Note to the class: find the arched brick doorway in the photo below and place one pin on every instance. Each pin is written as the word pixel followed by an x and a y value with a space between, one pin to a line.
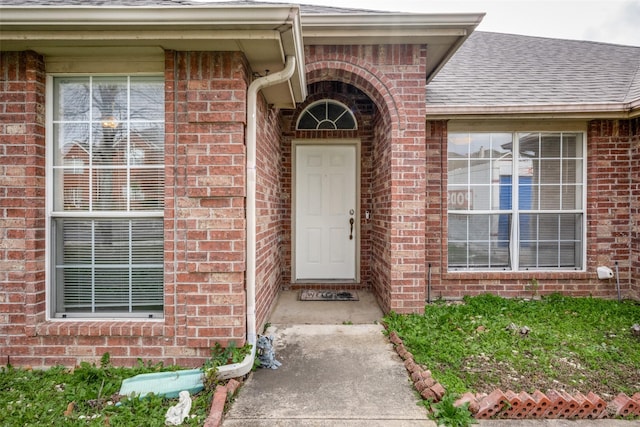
pixel 389 106
pixel 374 124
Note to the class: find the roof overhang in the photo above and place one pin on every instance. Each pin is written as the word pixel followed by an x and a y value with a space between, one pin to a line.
pixel 442 33
pixel 266 34
pixel 543 111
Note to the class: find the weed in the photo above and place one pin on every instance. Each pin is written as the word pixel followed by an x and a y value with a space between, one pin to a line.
pixel 533 287
pixel 224 355
pixel 447 414
pixel 221 356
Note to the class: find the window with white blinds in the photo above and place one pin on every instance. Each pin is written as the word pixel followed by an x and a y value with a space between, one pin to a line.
pixel 106 170
pixel 515 201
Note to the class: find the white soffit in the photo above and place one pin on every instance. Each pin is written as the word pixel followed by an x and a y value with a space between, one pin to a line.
pixel 265 34
pixel 442 33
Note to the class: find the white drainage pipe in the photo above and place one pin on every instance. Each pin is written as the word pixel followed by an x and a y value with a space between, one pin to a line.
pixel 239 369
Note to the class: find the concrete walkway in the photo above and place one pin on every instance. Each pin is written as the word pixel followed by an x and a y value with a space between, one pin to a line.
pixel 330 375
pixel 338 369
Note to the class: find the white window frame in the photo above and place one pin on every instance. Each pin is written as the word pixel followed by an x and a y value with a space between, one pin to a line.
pixel 514 249
pixel 326 119
pixel 52 214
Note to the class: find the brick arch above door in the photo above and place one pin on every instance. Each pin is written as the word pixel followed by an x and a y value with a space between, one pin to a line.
pixel 373 82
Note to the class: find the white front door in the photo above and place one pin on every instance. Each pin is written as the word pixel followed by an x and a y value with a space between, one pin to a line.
pixel 325 212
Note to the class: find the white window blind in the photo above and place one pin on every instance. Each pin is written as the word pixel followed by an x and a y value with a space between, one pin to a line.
pixel 516 201
pixel 107 174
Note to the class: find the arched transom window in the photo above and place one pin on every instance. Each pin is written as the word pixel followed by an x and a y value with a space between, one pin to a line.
pixel 327 115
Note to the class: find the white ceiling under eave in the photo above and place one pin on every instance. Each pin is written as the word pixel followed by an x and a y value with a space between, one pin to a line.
pixel 265 34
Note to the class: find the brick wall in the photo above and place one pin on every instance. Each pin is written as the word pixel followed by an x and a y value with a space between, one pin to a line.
pixel 205 97
pixel 609 199
pixel 634 193
pixel 381 220
pixel 205 211
pixel 436 213
pixel 268 212
pixel 609 236
pixel 22 203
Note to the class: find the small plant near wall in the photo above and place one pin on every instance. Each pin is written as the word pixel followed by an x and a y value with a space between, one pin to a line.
pixel 533 287
pixel 221 356
pixel 448 414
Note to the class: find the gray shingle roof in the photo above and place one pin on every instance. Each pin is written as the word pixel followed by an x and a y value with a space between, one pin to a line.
pixel 305 9
pixel 493 69
pixel 89 3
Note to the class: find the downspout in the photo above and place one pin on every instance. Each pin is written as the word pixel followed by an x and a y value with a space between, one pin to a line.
pixel 239 369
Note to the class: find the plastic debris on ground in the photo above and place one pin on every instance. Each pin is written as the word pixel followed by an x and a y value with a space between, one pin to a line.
pixel 167 384
pixel 266 352
pixel 178 412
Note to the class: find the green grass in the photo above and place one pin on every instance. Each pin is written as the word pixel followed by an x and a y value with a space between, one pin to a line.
pixel 576 344
pixel 40 397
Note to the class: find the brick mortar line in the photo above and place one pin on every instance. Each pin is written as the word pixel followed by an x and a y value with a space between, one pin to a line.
pixel 512 405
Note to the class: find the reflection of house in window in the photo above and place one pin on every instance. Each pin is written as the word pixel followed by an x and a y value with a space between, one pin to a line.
pixel 139 173
pixel 74 166
pixel 76 176
pixel 136 156
pixel 135 169
pixel 133 193
pixel 74 197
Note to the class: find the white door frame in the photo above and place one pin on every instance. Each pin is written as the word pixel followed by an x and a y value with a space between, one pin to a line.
pixel 324 142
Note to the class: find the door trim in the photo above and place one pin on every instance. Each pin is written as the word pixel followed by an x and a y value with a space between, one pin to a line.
pixel 355 142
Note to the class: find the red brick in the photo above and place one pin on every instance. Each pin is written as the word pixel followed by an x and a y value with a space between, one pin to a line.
pixel 585 407
pixel 394 338
pixel 558 407
pixel 519 405
pixel 217 407
pixel 420 385
pixel 411 365
pixel 491 405
pixel 438 390
pixel 428 394
pixel 622 406
pixel 232 386
pixel 599 405
pixel 636 399
pixel 541 405
pixel 571 407
pixel 469 398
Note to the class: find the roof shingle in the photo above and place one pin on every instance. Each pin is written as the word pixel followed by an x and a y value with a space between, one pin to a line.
pixel 493 69
pixel 305 9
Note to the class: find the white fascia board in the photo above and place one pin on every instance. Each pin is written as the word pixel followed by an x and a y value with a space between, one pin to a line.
pixel 217 16
pixel 384 19
pixel 594 110
pixel 378 28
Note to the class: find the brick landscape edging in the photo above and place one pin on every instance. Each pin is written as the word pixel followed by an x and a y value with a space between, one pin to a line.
pixel 222 394
pixel 512 405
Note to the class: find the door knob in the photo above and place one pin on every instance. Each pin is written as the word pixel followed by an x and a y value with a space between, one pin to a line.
pixel 351 221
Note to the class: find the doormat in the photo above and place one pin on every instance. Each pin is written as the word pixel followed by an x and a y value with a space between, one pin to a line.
pixel 324 295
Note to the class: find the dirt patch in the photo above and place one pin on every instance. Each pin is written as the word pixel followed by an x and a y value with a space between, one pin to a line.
pixel 563 374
